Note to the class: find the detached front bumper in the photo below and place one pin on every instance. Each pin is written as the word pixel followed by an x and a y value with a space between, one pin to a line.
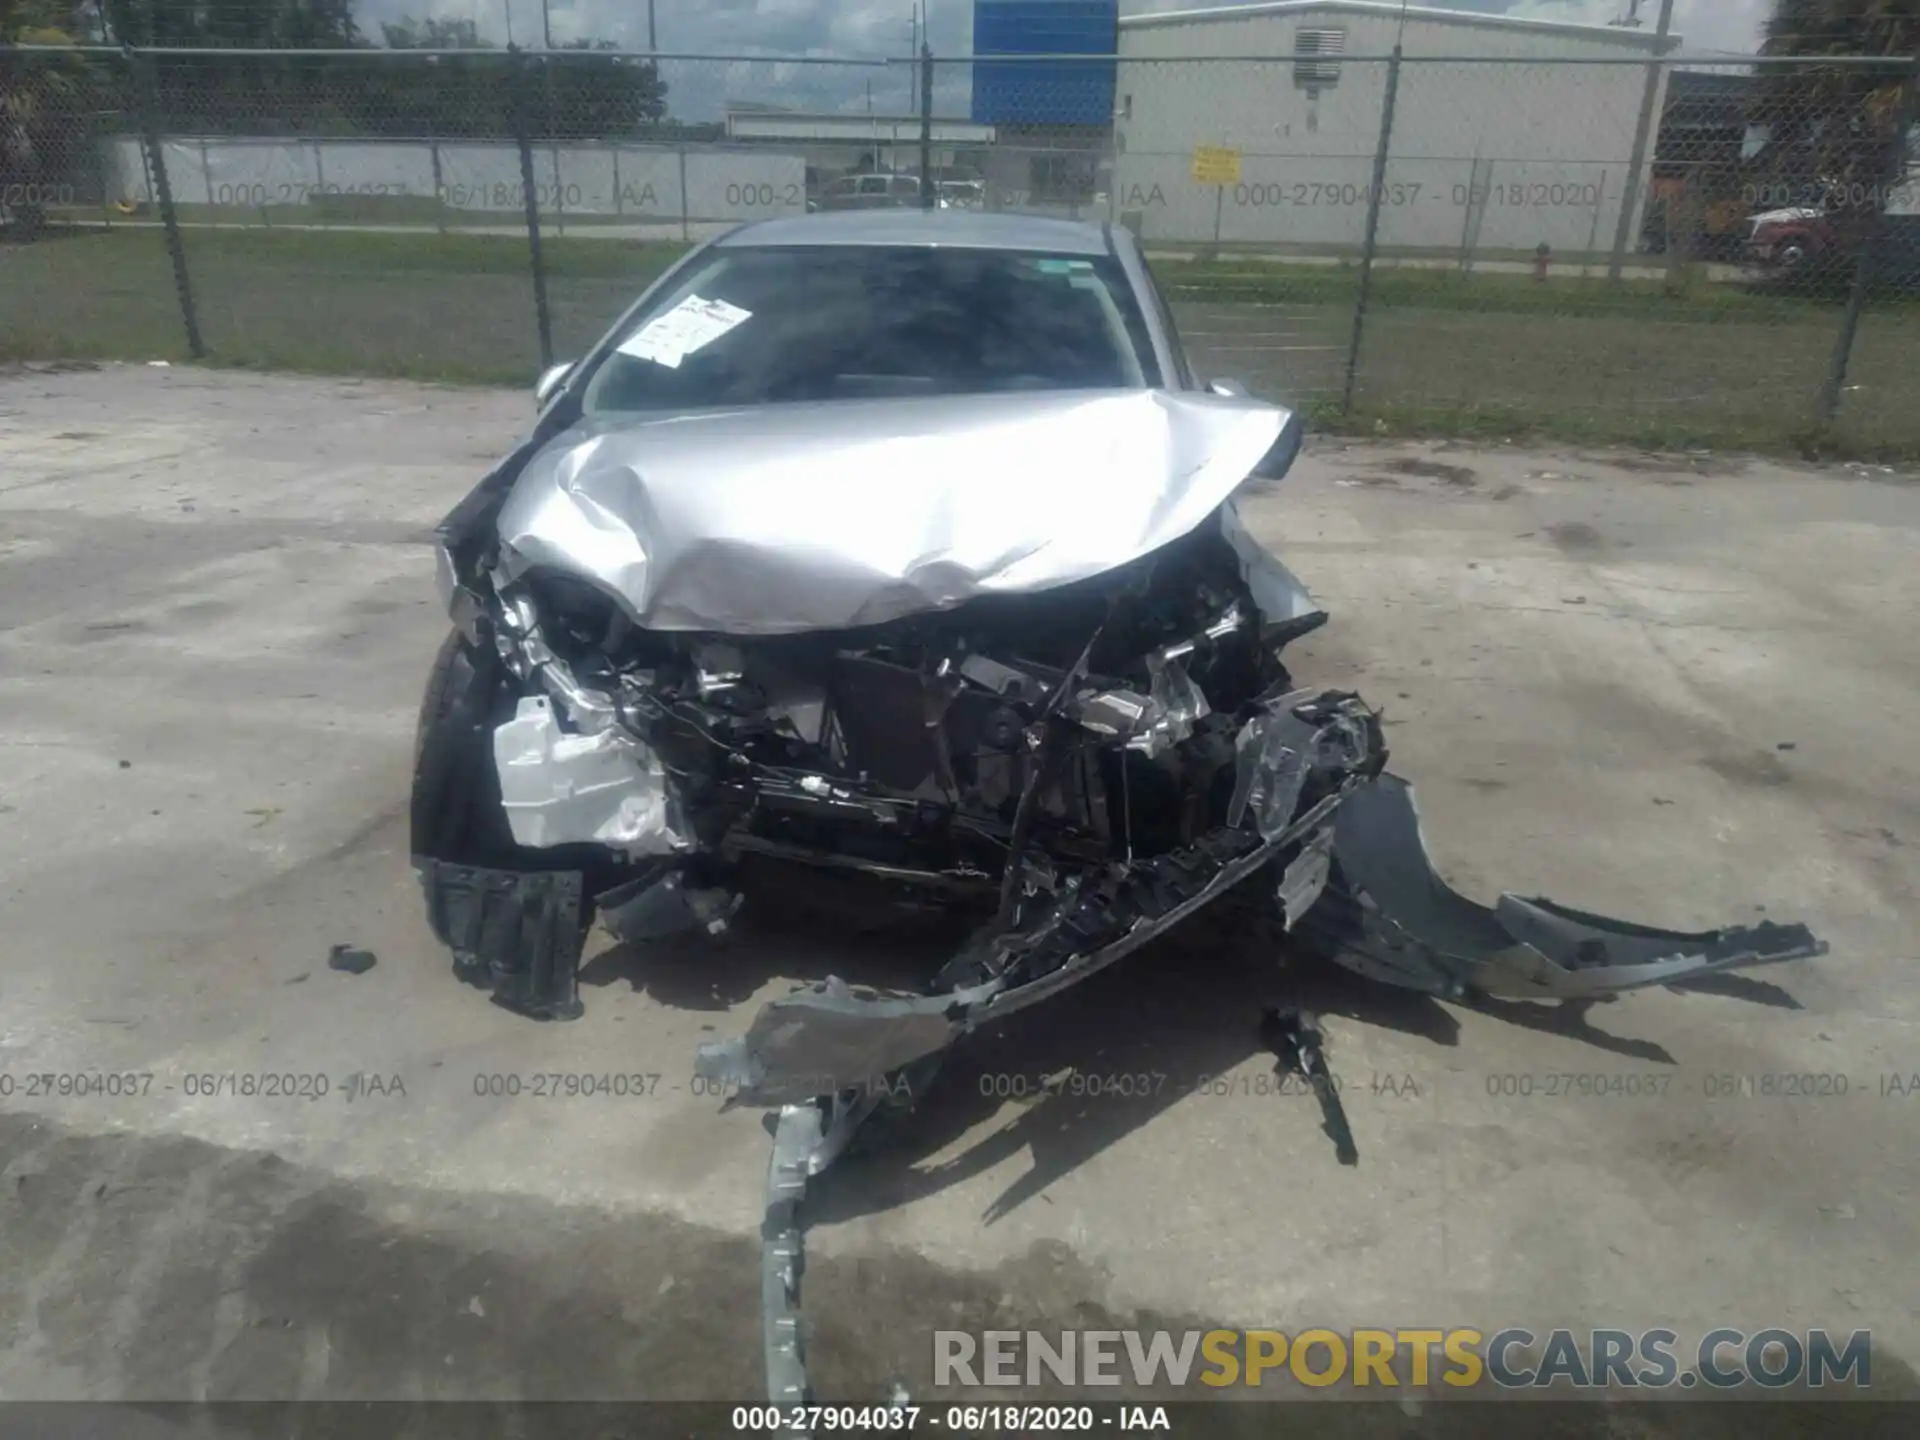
pixel 1353 883
pixel 1392 918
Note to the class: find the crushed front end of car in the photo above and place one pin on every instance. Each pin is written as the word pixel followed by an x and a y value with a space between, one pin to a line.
pixel 1014 653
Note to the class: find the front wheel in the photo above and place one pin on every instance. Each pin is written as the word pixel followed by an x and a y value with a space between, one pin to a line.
pixel 456 811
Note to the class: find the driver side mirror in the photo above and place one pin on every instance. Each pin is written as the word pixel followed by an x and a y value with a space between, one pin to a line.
pixel 1283 452
pixel 550 381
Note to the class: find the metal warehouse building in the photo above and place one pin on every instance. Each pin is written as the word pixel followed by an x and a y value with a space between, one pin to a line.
pixel 1524 140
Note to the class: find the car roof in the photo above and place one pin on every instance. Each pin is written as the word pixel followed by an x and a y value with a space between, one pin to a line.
pixel 971 229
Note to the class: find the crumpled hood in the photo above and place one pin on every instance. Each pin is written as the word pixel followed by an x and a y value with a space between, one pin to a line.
pixel 784 518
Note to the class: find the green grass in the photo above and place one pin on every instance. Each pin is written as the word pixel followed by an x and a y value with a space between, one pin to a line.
pixel 1695 301
pixel 455 307
pixel 1485 355
pixel 423 252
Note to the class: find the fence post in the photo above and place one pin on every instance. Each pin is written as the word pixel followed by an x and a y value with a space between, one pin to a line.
pixel 517 62
pixel 1642 137
pixel 686 201
pixel 926 127
pixel 1593 231
pixel 551 129
pixel 1683 214
pixel 140 68
pixel 1372 241
pixel 1893 175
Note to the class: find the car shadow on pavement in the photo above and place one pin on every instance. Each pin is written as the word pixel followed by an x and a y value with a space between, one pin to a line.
pixel 834 928
pixel 1570 1019
pixel 1070 1079
pixel 1067 1081
pixel 702 972
pixel 1741 987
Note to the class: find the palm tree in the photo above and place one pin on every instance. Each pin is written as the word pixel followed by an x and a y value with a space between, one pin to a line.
pixel 37 95
pixel 1838 128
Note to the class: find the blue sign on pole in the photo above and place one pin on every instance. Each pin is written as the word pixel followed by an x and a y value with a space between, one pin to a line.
pixel 1044 92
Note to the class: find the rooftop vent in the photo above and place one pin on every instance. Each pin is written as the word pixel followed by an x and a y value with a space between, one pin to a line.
pixel 1316 64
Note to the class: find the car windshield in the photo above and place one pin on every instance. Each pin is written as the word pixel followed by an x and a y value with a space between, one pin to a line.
pixel 753 325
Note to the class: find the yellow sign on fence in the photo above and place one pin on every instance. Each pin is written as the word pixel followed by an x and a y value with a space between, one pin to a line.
pixel 1216 165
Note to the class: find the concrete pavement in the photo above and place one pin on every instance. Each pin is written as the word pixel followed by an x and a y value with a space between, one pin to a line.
pixel 1678 689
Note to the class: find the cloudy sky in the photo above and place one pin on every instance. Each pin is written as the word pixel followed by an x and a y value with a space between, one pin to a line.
pixel 1709 26
pixel 881 27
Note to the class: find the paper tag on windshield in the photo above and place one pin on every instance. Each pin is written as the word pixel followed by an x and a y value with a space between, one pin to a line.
pixel 670 338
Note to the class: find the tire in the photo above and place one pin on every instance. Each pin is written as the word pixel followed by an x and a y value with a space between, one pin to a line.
pixel 520 938
pixel 456 812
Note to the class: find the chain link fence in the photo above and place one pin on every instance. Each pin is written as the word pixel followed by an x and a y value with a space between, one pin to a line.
pixel 1639 250
pixel 56 113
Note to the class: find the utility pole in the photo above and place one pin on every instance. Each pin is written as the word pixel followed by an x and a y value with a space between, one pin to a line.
pixel 926 126
pixel 913 53
pixel 1630 195
pixel 653 43
pixel 547 105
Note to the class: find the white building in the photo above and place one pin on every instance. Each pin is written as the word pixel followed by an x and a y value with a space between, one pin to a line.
pixel 1523 139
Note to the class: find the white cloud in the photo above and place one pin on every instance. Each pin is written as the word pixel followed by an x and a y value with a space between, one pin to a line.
pixel 880 29
pixel 792 27
pixel 700 89
pixel 1732 26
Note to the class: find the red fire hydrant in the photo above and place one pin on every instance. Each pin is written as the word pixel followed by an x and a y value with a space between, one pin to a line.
pixel 1542 261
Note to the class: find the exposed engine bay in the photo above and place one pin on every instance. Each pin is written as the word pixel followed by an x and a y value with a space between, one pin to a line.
pixel 636 715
